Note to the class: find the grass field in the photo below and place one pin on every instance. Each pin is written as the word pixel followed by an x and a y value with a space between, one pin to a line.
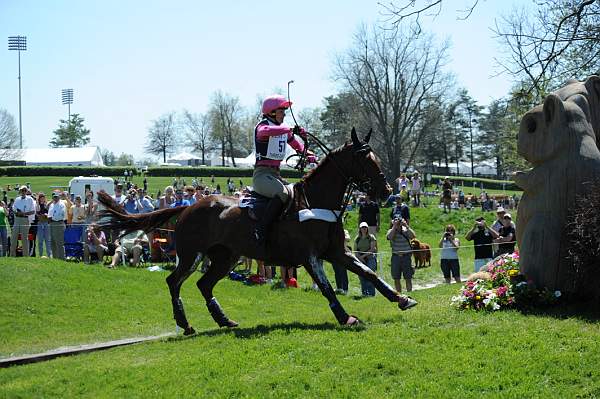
pixel 286 346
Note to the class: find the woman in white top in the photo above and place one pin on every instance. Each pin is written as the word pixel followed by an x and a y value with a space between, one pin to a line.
pixel 449 257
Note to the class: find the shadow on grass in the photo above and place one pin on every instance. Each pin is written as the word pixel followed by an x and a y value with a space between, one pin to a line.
pixel 261 330
pixel 585 311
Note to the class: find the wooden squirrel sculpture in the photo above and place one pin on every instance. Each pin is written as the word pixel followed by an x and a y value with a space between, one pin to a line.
pixel 560 139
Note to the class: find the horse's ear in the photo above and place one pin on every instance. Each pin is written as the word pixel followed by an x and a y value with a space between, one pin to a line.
pixel 368 136
pixel 355 141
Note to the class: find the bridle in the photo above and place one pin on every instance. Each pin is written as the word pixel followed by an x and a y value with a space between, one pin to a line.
pixel 358 154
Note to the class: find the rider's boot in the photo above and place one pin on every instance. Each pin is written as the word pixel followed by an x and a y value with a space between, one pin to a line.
pixel 272 211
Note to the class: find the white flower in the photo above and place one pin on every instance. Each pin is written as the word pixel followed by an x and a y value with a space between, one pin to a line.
pixel 486 301
pixel 495 306
pixel 557 293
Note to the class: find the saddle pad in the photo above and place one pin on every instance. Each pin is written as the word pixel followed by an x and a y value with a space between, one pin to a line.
pixel 326 215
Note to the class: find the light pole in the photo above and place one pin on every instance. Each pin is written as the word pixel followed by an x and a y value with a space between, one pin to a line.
pixel 67 99
pixel 18 43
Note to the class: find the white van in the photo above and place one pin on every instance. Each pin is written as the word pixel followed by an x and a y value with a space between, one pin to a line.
pixel 81 185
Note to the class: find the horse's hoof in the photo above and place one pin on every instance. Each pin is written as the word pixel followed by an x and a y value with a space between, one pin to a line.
pixel 406 303
pixel 189 331
pixel 353 321
pixel 230 324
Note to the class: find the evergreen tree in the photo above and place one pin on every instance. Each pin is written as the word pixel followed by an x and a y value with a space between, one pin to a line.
pixel 71 133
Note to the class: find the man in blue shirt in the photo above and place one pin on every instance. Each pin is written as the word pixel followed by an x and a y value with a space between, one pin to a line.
pixel 132 204
pixel 147 205
pixel 179 201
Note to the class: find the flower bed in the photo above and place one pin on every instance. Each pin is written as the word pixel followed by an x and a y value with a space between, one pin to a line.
pixel 501 286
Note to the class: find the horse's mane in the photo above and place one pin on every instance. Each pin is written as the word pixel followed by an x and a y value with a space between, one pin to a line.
pixel 314 172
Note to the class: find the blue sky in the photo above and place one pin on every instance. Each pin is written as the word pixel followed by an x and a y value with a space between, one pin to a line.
pixel 129 62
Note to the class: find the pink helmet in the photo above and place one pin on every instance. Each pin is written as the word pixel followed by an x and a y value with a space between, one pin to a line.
pixel 272 102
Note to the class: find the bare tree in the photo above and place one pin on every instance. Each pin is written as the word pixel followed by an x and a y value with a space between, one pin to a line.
pixel 197 132
pixel 162 136
pixel 395 75
pixel 559 42
pixel 9 137
pixel 412 11
pixel 226 116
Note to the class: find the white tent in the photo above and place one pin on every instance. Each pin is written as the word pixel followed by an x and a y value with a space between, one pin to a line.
pixel 486 168
pixel 83 156
pixel 185 159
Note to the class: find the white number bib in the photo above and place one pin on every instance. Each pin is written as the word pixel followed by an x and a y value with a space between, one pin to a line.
pixel 276 147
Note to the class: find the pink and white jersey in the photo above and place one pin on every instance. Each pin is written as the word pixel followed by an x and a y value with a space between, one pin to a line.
pixel 270 142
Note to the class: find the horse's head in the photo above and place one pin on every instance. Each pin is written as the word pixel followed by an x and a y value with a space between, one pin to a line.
pixel 365 168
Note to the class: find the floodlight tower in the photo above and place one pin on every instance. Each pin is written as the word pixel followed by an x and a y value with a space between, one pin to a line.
pixel 18 43
pixel 67 99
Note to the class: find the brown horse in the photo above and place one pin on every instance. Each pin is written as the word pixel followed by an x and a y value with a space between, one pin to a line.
pixel 215 227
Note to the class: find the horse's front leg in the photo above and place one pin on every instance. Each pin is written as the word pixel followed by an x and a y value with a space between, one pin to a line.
pixel 314 267
pixel 351 262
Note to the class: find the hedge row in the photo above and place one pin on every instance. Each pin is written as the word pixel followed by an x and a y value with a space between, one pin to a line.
pixel 487 183
pixel 218 171
pixel 19 171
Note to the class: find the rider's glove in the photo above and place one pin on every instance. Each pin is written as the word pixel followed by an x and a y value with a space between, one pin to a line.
pixel 297 130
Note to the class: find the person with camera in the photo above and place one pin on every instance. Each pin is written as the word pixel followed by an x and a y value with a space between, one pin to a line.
pixel 449 257
pixel 95 243
pixel 132 204
pixel 483 237
pixel 400 236
pixel 508 236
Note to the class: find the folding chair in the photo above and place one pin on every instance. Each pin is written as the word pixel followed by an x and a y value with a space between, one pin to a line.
pixel 167 250
pixel 73 244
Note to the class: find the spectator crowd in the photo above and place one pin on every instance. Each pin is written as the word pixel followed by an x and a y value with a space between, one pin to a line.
pixel 33 218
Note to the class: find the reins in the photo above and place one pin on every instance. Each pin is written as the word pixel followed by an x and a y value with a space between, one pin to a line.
pixel 350 184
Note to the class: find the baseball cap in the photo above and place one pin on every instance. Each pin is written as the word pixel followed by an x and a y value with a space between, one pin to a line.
pixel 480 219
pixel 23 187
pixel 500 209
pixel 507 216
pixel 363 224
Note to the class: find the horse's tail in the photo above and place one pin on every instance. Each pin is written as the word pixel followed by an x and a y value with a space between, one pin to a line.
pixel 114 217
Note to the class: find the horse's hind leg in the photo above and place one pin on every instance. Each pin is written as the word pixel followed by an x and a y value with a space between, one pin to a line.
pixel 186 265
pixel 352 263
pixel 315 269
pixel 222 261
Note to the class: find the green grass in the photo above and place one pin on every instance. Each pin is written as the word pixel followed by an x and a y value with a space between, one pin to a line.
pixel 287 344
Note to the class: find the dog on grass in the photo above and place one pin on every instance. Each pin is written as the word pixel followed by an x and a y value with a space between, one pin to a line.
pixel 421 253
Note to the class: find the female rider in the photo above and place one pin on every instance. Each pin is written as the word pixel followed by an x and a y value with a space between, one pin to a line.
pixel 270 139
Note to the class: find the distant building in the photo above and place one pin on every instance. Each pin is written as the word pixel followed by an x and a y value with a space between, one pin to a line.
pixel 185 159
pixel 83 156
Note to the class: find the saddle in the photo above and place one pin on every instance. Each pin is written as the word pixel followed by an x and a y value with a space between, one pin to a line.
pixel 256 204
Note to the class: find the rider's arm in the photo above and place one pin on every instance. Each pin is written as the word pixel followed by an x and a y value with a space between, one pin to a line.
pixel 263 132
pixel 295 144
